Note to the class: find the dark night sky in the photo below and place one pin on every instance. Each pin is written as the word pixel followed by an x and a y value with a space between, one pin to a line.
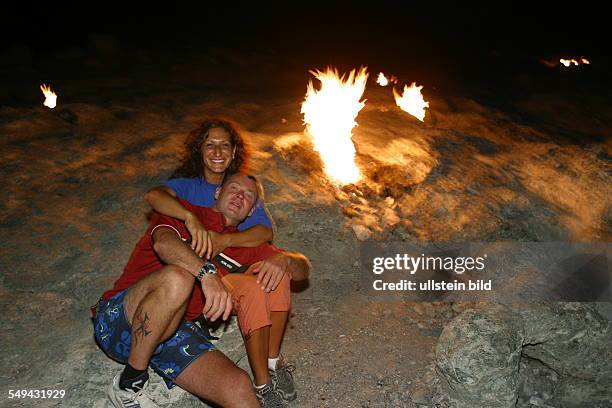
pixel 474 43
pixel 549 27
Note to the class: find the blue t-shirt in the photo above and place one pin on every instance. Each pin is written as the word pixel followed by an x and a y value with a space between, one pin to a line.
pixel 200 192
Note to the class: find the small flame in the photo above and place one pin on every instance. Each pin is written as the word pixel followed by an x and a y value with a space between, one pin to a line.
pixel 571 61
pixel 50 96
pixel 412 101
pixel 568 62
pixel 382 80
pixel 329 115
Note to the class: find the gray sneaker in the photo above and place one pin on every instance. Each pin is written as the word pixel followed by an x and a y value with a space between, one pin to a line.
pixel 128 398
pixel 282 379
pixel 269 397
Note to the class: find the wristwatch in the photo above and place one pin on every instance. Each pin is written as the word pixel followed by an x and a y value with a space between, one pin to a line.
pixel 206 269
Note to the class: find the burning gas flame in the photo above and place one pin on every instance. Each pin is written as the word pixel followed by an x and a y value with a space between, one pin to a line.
pixel 571 61
pixel 412 101
pixel 50 96
pixel 382 80
pixel 568 62
pixel 329 115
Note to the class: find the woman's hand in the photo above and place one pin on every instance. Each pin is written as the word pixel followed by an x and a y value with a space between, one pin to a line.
pixel 218 242
pixel 271 271
pixel 200 237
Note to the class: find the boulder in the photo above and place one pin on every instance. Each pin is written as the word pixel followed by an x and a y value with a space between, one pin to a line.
pixel 575 341
pixel 549 355
pixel 477 358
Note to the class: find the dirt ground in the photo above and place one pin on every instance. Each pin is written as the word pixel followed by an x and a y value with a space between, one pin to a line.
pixel 73 180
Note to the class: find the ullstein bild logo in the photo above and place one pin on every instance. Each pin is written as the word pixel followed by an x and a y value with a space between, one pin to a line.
pixel 432 285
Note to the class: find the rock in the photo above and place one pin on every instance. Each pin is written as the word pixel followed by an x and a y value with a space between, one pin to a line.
pixel 478 356
pixel 362 233
pixel 548 355
pixel 440 212
pixel 389 218
pixel 538 383
pixel 575 341
pixel 420 396
pixel 418 308
pixel 605 309
pixel 458 307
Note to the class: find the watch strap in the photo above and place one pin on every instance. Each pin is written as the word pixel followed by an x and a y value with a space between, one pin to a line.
pixel 206 269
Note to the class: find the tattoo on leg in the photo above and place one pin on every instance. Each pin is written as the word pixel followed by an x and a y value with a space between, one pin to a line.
pixel 141 327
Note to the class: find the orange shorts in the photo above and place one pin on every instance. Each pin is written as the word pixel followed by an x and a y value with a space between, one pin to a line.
pixel 252 304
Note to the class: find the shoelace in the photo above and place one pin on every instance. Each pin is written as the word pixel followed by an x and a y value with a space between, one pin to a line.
pixel 142 393
pixel 288 368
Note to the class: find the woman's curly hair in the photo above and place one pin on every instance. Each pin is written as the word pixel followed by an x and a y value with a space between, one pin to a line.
pixel 192 164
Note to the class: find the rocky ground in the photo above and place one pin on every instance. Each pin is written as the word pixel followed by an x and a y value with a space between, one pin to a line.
pixel 74 179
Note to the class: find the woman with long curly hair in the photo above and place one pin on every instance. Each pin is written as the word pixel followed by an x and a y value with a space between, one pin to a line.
pixel 214 151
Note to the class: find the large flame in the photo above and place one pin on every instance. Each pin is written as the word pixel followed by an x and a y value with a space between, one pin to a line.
pixel 50 96
pixel 329 115
pixel 412 101
pixel 382 80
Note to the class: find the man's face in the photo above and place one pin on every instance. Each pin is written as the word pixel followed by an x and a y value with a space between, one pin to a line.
pixel 237 198
pixel 217 150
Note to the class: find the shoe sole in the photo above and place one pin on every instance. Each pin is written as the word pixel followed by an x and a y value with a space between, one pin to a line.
pixel 114 399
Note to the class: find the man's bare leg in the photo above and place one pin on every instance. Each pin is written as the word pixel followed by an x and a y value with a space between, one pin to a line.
pixel 216 378
pixel 277 332
pixel 280 369
pixel 265 343
pixel 257 345
pixel 155 306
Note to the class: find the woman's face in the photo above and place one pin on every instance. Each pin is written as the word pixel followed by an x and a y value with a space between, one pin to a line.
pixel 217 151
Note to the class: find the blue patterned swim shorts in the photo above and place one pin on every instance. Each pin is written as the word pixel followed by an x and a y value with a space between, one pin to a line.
pixel 113 333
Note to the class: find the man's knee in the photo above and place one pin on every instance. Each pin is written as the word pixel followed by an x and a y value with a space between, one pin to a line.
pixel 215 377
pixel 176 283
pixel 242 387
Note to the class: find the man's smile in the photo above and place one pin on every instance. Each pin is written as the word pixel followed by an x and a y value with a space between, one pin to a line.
pixel 236 204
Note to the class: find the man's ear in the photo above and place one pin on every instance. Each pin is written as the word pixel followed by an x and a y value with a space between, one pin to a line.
pixel 234 153
pixel 217 191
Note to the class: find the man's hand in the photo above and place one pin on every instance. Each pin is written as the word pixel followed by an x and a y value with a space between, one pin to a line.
pixel 200 237
pixel 218 243
pixel 271 271
pixel 218 299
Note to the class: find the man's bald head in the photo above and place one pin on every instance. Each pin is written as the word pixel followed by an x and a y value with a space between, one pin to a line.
pixel 237 197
